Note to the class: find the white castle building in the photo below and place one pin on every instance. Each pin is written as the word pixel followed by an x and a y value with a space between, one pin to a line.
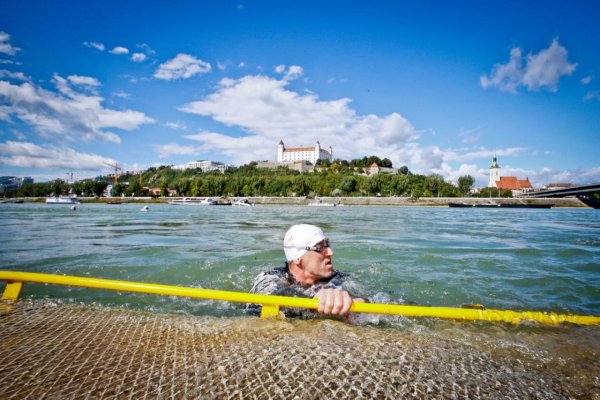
pixel 310 154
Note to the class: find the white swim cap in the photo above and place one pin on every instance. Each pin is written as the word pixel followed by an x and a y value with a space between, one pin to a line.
pixel 298 237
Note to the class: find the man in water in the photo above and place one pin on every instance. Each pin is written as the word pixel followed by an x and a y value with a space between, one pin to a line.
pixel 308 273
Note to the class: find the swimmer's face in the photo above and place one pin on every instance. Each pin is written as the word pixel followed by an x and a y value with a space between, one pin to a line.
pixel 318 265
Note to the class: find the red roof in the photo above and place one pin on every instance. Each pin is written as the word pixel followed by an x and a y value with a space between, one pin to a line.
pixel 512 183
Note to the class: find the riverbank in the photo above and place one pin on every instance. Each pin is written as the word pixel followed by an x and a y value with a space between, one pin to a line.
pixel 569 202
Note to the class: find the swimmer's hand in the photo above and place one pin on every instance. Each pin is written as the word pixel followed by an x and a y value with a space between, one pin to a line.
pixel 335 301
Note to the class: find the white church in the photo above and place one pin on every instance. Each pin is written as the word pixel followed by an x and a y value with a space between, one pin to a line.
pixel 310 154
pixel 512 183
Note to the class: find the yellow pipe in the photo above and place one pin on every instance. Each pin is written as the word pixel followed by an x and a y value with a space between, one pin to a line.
pixel 271 304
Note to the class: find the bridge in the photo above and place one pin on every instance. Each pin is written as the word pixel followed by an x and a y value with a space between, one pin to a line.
pixel 585 193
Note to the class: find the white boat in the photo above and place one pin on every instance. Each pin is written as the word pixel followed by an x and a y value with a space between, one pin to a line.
pixel 242 203
pixel 208 201
pixel 319 203
pixel 61 200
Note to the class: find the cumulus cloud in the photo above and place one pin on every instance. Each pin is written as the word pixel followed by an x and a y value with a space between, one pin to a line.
pixel 138 57
pixel 13 75
pixel 5 46
pixel 183 66
pixel 94 45
pixel 68 113
pixel 79 80
pixel 174 149
pixel 537 71
pixel 291 73
pixel 178 126
pixel 30 155
pixel 586 80
pixel 119 50
pixel 271 112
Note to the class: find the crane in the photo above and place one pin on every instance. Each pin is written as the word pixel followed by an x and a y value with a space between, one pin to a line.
pixel 117 169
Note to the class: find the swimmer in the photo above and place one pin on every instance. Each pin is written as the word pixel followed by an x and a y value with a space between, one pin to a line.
pixel 308 272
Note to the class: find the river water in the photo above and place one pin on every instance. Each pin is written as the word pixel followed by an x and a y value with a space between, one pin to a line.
pixel 546 260
pixel 519 259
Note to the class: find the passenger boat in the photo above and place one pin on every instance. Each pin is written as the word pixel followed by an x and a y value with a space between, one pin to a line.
pixel 208 201
pixel 61 200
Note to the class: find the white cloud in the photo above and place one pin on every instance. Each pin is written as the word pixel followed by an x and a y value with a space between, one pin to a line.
pixel 83 80
pixel 138 57
pixel 470 136
pixel 121 94
pixel 270 112
pixel 174 149
pixel 13 75
pixel 586 80
pixel 222 66
pixel 542 70
pixel 481 153
pixel 293 72
pixel 178 126
pixel 68 114
pixel 30 155
pixel 119 50
pixel 6 47
pixel 94 45
pixel 183 66
pixel 146 49
pixel 592 96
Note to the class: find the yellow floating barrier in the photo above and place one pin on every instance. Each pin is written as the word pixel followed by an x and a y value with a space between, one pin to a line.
pixel 270 304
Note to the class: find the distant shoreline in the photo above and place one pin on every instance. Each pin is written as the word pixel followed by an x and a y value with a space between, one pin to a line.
pixel 346 201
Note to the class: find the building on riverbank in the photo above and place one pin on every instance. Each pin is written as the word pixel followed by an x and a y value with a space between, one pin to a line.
pixel 204 165
pixel 512 183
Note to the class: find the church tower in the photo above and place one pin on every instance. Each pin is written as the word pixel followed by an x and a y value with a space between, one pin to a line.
pixel 280 149
pixel 494 173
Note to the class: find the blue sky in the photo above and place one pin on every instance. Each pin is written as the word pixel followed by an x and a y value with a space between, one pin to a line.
pixel 439 86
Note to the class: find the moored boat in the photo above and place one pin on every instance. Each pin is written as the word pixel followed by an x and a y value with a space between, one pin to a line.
pixel 458 205
pixel 208 201
pixel 61 200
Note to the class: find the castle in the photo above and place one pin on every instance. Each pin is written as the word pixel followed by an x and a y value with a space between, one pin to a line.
pixel 310 154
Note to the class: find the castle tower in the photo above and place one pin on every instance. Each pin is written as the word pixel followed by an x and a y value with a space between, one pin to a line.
pixel 494 173
pixel 317 152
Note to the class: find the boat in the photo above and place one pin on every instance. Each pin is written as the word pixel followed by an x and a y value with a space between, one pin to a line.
pixel 521 205
pixel 208 201
pixel 145 208
pixel 457 205
pixel 487 205
pixel 61 200
pixel 242 203
pixel 319 203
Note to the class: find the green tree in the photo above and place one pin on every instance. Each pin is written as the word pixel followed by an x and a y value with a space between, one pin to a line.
pixel 465 183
